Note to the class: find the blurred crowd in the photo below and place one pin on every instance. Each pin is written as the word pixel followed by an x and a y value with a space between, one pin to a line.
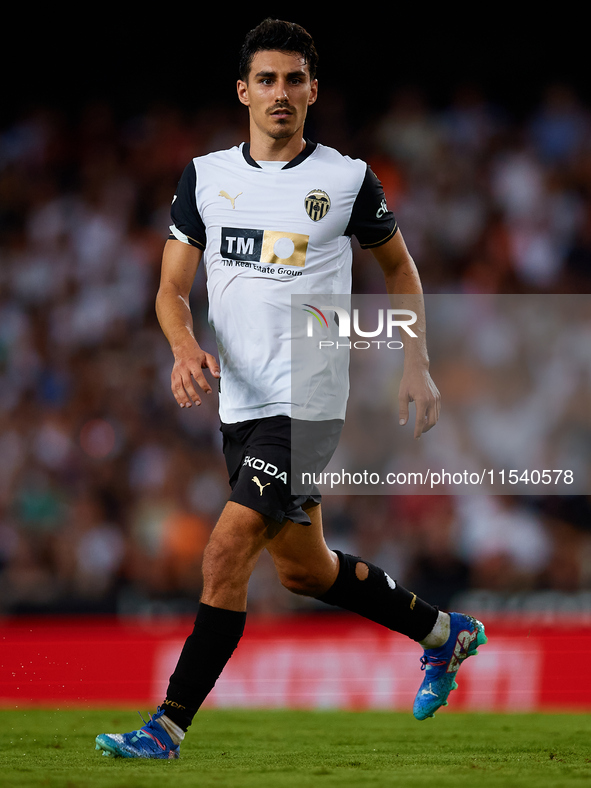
pixel 108 491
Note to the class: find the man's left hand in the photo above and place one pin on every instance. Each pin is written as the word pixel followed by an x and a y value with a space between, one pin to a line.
pixel 417 386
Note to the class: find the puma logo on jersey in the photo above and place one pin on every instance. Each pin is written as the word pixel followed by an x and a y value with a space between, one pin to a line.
pixel 261 487
pixel 463 642
pixel 227 196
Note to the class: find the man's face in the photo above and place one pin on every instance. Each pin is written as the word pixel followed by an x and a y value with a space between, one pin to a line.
pixel 278 93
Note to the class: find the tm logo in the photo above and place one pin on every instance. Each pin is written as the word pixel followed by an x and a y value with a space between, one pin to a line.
pixel 386 319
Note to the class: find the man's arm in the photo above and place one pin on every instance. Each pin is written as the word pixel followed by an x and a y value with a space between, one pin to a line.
pixel 179 266
pixel 404 286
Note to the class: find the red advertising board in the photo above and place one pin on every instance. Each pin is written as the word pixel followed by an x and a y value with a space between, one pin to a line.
pixel 323 661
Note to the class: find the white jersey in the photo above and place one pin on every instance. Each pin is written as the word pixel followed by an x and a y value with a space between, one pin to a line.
pixel 268 234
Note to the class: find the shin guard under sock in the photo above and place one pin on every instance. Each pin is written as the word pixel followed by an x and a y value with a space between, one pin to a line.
pixel 215 636
pixel 367 590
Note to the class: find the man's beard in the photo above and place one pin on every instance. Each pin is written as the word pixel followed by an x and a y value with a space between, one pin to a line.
pixel 281 133
pixel 283 129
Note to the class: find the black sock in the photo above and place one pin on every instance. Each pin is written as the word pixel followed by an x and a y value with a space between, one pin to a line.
pixel 215 635
pixel 374 595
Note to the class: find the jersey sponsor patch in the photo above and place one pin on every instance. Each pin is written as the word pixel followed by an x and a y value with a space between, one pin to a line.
pixel 264 246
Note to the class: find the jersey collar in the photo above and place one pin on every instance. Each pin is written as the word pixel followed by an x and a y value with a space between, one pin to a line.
pixel 308 150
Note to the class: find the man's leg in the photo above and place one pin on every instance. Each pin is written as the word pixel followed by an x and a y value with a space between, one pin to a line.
pixel 235 545
pixel 307 566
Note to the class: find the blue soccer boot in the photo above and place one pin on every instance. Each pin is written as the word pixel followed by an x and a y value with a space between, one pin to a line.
pixel 441 664
pixel 150 741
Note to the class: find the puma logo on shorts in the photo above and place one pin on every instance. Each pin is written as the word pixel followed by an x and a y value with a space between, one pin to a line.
pixel 261 487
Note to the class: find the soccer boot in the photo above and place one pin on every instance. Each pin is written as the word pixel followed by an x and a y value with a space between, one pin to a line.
pixel 441 664
pixel 150 741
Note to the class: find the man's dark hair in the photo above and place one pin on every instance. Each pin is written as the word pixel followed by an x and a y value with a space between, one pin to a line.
pixel 275 34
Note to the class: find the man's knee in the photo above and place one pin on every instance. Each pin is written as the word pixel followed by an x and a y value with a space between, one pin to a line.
pixel 304 581
pixel 234 545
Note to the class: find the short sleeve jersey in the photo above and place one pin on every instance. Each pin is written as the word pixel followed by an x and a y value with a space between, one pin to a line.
pixel 267 234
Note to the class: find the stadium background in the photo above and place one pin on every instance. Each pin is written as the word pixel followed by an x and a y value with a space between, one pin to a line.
pixel 481 135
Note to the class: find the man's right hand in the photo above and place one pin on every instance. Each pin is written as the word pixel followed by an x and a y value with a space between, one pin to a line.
pixel 188 370
pixel 179 266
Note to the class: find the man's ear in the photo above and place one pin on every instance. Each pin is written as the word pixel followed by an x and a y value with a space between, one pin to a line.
pixel 242 89
pixel 313 92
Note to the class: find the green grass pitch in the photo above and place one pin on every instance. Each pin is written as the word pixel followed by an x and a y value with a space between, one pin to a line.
pixel 300 748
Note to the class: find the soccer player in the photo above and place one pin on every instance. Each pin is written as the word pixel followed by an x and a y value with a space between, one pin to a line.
pixel 271 218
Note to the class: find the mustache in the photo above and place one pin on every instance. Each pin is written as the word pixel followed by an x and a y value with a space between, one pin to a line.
pixel 287 107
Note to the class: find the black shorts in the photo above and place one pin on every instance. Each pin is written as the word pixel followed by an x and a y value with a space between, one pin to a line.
pixel 259 460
